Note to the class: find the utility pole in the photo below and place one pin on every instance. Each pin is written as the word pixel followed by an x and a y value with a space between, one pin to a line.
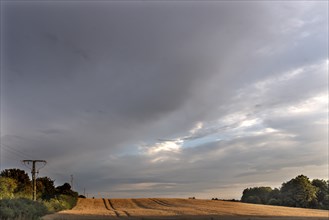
pixel 72 181
pixel 34 172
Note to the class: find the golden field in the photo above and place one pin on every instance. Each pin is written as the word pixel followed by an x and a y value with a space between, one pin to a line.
pixel 165 208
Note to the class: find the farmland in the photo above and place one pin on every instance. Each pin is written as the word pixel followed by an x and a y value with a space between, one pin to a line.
pixel 165 208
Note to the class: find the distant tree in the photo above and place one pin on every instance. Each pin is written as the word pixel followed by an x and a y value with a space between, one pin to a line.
pixel 46 188
pixel 65 189
pixel 254 200
pixel 274 201
pixel 21 177
pixel 274 198
pixel 322 193
pixel 258 195
pixel 7 187
pixel 298 192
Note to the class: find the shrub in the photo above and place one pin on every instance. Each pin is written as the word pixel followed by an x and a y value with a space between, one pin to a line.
pixel 22 179
pixel 21 209
pixel 7 187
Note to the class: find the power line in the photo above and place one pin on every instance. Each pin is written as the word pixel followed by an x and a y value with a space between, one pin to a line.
pixel 13 153
pixel 19 153
pixel 23 155
pixel 55 171
pixel 10 157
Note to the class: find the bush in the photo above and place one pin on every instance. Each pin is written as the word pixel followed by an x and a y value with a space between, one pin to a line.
pixel 11 209
pixel 6 213
pixel 61 202
pixel 24 186
pixel 68 202
pixel 7 187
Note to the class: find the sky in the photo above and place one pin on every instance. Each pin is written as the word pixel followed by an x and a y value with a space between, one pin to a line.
pixel 166 99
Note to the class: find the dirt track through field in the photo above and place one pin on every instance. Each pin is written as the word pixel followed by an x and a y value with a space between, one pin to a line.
pixel 160 208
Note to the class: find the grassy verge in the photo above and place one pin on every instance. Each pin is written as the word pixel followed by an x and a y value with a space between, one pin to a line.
pixel 22 208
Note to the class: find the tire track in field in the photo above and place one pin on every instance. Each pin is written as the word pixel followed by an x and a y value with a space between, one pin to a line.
pixel 111 207
pixel 153 208
pixel 105 204
pixel 117 212
pixel 126 213
pixel 139 204
pixel 167 207
pixel 191 208
pixel 198 205
pixel 161 203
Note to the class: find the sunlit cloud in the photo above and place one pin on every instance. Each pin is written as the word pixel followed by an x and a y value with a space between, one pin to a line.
pixel 318 103
pixel 196 128
pixel 165 146
pixel 249 123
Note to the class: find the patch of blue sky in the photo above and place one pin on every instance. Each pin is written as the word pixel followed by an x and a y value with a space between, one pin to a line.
pixel 200 141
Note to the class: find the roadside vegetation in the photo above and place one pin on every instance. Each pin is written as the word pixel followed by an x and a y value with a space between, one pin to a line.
pixel 297 192
pixel 16 196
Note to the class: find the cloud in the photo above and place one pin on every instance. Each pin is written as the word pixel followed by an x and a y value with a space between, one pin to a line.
pixel 198 126
pixel 167 98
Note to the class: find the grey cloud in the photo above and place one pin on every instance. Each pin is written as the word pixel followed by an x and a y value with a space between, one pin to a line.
pixel 85 84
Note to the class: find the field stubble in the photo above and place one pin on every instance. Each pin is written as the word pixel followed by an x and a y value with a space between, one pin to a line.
pixel 164 208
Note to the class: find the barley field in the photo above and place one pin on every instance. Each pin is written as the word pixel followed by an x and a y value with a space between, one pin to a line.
pixel 165 208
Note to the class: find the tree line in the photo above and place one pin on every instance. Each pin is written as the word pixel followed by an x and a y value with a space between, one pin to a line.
pixel 16 196
pixel 297 192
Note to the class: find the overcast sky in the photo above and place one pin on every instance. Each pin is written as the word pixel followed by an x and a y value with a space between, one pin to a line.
pixel 166 99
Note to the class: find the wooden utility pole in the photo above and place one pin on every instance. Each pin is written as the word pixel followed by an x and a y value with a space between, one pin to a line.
pixel 34 172
pixel 71 181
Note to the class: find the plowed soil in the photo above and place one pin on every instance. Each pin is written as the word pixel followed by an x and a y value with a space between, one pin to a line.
pixel 159 208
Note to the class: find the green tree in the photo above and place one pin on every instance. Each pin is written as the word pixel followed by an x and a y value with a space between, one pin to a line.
pixel 65 189
pixel 322 193
pixel 258 195
pixel 298 192
pixel 24 185
pixel 45 188
pixel 274 198
pixel 7 187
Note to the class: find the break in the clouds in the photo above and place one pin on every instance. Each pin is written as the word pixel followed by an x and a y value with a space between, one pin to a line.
pixel 174 99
